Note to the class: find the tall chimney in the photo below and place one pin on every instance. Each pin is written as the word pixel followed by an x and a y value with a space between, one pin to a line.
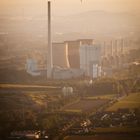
pixel 49 49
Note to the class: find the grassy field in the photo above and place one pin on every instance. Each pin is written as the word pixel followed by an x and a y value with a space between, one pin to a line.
pixel 131 101
pixel 117 130
pixel 103 137
pixel 85 105
pixel 15 101
pixel 15 96
pixel 25 86
pixel 108 96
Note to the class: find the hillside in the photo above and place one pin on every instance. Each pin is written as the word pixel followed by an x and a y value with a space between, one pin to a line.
pixel 87 24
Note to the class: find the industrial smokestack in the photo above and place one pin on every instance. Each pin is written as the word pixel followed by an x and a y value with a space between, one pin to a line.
pixel 49 49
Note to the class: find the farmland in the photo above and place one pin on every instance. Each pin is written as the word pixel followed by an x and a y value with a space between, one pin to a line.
pixel 47 106
pixel 103 137
pixel 111 123
pixel 132 101
pixel 14 96
pixel 85 105
pixel 107 96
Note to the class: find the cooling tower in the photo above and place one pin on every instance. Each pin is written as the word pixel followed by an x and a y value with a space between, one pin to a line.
pixel 86 41
pixel 60 55
pixel 73 51
pixel 73 54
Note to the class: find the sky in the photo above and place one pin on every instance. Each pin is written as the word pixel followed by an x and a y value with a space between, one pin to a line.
pixel 67 7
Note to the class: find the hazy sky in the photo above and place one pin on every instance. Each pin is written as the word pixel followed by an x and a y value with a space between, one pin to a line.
pixel 64 7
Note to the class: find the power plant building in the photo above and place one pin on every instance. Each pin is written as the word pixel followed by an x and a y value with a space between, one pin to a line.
pixel 66 58
pixel 90 59
pixel 74 51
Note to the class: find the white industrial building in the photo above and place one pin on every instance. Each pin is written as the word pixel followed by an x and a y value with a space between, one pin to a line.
pixel 72 59
pixel 66 59
pixel 90 60
pixel 31 67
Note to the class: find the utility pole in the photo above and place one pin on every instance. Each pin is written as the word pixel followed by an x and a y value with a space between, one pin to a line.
pixel 116 47
pixel 49 49
pixel 104 48
pixel 111 48
pixel 122 46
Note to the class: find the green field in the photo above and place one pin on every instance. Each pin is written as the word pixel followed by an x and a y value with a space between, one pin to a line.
pixel 118 130
pixel 16 99
pixel 108 96
pixel 85 105
pixel 103 137
pixel 131 101
pixel 26 86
